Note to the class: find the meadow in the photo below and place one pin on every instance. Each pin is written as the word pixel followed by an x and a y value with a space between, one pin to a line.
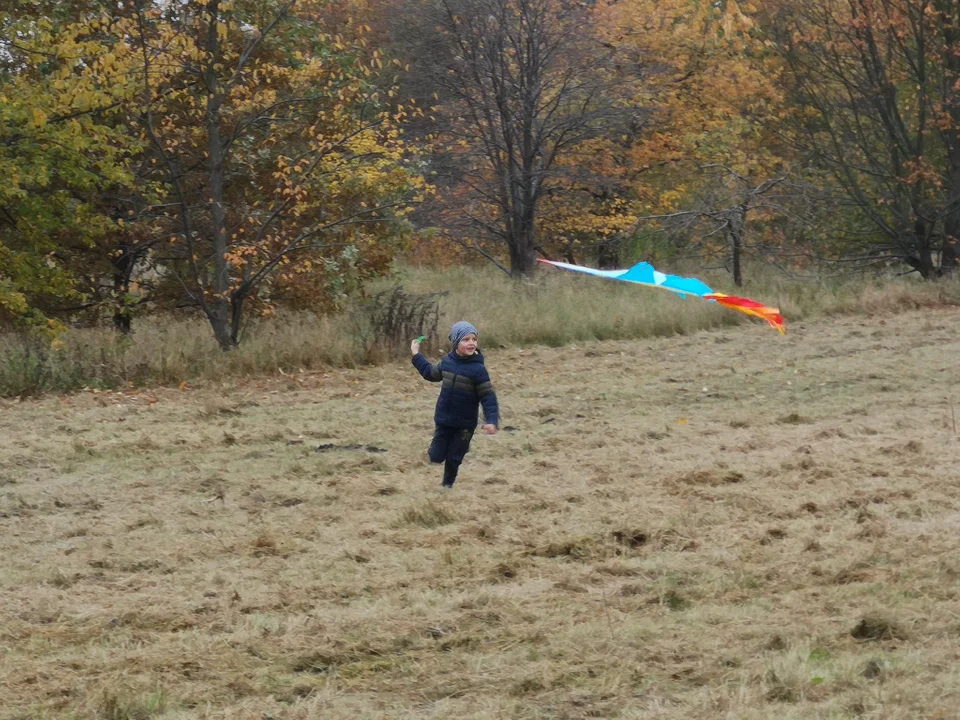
pixel 555 309
pixel 699 523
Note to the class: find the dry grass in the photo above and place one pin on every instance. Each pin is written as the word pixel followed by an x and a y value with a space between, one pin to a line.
pixel 561 307
pixel 720 525
pixel 557 309
pixel 168 351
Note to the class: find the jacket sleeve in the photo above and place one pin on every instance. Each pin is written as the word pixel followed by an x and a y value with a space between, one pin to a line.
pixel 488 398
pixel 429 371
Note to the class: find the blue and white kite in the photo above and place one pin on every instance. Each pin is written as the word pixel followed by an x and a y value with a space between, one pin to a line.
pixel 644 274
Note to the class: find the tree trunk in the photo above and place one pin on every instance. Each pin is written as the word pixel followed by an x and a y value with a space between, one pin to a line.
pixel 220 322
pixel 735 230
pixel 951 222
pixel 951 135
pixel 523 250
pixel 219 310
pixel 122 270
pixel 523 256
pixel 608 255
pixel 948 255
pixel 236 319
pixel 737 272
pixel 926 266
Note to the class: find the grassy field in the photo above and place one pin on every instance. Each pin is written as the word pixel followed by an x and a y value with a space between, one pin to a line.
pixel 726 524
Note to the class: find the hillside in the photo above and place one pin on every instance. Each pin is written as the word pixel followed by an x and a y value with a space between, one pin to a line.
pixel 724 524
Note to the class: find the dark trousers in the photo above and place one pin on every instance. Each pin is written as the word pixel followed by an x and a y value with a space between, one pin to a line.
pixel 449 445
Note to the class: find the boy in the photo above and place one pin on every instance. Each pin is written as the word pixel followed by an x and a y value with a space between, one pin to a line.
pixel 466 386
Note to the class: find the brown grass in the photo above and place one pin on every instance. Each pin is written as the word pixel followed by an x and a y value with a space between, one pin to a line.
pixel 727 524
pixel 556 309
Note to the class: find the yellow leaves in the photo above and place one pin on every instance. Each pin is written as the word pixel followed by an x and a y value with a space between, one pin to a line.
pixel 361 165
pixel 39 118
pixel 734 21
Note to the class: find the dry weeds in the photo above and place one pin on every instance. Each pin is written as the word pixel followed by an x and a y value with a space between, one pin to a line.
pixel 724 525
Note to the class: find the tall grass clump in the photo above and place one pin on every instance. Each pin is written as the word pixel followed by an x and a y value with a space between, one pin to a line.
pixel 116 705
pixel 167 350
pixel 560 307
pixel 863 293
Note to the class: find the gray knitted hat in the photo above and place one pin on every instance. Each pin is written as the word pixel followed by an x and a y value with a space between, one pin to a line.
pixel 460 330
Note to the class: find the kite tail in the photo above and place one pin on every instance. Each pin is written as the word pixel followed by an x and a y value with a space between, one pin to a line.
pixel 750 307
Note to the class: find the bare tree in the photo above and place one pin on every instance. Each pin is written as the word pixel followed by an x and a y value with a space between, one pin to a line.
pixel 720 222
pixel 877 84
pixel 522 85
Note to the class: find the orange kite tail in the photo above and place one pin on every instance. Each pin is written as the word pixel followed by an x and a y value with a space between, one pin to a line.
pixel 750 307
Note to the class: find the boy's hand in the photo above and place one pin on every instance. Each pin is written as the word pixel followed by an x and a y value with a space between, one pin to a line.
pixel 415 346
pixel 490 429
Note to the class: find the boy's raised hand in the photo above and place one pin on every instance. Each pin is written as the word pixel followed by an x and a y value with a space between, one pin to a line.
pixel 415 346
pixel 490 429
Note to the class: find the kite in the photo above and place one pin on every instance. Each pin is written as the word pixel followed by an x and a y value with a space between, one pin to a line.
pixel 644 274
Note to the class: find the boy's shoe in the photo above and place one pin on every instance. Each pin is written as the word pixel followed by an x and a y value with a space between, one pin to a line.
pixel 446 488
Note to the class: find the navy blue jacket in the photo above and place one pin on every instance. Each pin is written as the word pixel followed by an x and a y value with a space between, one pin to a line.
pixel 465 386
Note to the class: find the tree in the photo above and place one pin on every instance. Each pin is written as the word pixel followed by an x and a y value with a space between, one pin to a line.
pixel 876 83
pixel 62 149
pixel 705 155
pixel 521 87
pixel 729 217
pixel 282 157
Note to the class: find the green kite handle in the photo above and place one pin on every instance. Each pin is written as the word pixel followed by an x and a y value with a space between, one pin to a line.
pixel 421 338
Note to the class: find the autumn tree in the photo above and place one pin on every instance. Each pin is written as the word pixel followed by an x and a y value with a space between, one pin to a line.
pixel 520 86
pixel 877 85
pixel 704 160
pixel 281 153
pixel 63 152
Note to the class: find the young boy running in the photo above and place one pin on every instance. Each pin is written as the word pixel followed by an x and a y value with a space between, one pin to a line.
pixel 465 386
